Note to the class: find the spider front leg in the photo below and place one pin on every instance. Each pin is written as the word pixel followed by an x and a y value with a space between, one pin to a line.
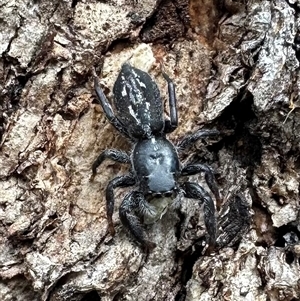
pixel 191 139
pixel 122 181
pixel 113 154
pixel 171 125
pixel 195 191
pixel 108 109
pixel 131 210
pixel 209 177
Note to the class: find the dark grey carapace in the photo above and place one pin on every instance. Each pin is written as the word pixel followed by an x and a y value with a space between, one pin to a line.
pixel 155 167
pixel 156 164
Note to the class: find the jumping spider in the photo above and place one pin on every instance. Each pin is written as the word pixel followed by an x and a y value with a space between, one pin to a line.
pixel 154 161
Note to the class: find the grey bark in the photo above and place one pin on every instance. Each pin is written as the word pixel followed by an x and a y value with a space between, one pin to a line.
pixel 236 68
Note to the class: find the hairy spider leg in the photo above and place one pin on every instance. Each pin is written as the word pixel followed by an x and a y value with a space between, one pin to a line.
pixel 113 154
pixel 171 125
pixel 108 109
pixel 193 169
pixel 195 191
pixel 121 181
pixel 130 213
pixel 191 139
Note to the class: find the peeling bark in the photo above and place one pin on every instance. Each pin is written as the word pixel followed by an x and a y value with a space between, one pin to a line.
pixel 236 68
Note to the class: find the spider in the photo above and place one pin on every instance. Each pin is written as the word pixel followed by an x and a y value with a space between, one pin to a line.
pixel 155 166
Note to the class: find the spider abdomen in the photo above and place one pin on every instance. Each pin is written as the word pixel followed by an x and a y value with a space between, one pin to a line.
pixel 138 102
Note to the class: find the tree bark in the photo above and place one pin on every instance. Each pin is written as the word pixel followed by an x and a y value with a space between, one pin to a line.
pixel 235 65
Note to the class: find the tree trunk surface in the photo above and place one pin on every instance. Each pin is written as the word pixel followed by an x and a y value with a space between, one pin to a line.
pixel 235 65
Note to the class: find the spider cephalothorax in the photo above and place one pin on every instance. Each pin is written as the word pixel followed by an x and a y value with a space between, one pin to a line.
pixel 155 166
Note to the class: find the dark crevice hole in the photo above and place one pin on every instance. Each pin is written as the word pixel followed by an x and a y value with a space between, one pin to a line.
pixel 118 45
pixel 271 181
pixel 91 296
pixel 287 235
pixel 74 3
pixel 289 257
pixel 246 147
pixel 188 259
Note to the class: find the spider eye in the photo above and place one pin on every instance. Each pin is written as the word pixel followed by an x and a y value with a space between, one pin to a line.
pixel 168 193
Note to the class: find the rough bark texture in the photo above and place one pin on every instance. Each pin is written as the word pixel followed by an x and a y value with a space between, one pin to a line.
pixel 236 68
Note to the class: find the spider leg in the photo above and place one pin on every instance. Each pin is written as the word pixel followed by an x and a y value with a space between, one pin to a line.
pixel 171 125
pixel 209 177
pixel 108 109
pixel 191 139
pixel 122 181
pixel 195 191
pixel 130 214
pixel 113 154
